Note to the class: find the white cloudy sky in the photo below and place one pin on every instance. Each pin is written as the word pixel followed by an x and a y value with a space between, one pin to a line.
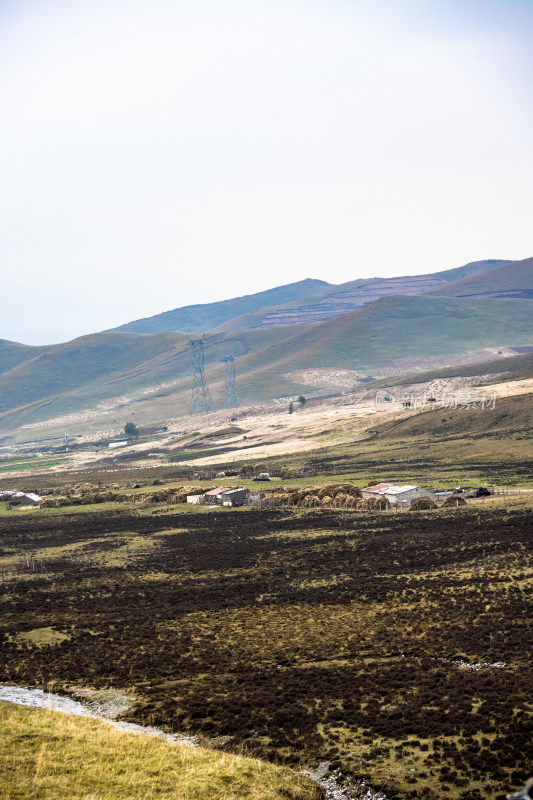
pixel 157 153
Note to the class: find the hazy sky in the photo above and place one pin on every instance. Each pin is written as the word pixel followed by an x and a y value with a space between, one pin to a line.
pixel 158 153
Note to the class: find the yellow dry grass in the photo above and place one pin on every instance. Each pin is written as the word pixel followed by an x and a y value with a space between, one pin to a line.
pixel 47 755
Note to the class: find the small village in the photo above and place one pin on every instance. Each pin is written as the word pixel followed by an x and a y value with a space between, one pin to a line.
pixel 377 496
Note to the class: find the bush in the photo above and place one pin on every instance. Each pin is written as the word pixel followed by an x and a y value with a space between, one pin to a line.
pixel 131 430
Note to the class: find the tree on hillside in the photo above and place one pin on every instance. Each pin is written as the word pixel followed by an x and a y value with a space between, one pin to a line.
pixel 131 430
pixel 302 400
pixel 291 407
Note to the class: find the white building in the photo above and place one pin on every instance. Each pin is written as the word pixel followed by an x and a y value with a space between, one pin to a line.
pixel 23 499
pixel 195 499
pixel 396 494
pixel 222 496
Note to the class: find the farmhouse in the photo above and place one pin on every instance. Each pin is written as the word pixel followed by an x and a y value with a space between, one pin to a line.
pixel 396 494
pixel 214 496
pixel 235 497
pixel 222 496
pixel 22 499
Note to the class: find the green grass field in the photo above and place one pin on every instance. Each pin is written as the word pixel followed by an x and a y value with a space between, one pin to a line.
pixel 22 466
pixel 48 755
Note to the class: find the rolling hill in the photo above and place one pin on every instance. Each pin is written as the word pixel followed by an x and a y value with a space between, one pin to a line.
pixel 13 353
pixel 299 303
pixel 355 294
pixel 151 375
pixel 511 280
pixel 205 316
pixel 514 368
pixel 511 416
pixel 471 269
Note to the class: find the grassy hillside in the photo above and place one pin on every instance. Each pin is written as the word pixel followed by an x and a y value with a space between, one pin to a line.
pixel 205 316
pixel 353 294
pixel 444 447
pixel 448 275
pixel 402 326
pixel 135 368
pixel 253 319
pixel 82 362
pixel 12 354
pixel 46 754
pixel 154 373
pixel 313 296
pixel 390 328
pixel 472 268
pixel 510 417
pixel 511 280
pixel 513 368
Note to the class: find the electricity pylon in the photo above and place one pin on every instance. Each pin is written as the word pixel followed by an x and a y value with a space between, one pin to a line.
pixel 199 385
pixel 232 397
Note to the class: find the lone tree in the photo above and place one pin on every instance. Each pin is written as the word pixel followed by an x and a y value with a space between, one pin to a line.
pixel 302 400
pixel 131 430
pixel 291 407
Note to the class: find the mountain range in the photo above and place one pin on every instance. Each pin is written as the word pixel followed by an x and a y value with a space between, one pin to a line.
pixel 285 341
pixel 299 303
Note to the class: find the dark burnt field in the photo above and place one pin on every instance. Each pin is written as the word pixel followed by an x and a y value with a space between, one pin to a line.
pixel 297 636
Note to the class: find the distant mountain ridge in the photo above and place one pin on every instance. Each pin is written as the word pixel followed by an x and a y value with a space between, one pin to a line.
pixel 356 294
pixel 150 376
pixel 514 279
pixel 205 316
pixel 298 303
pixel 359 293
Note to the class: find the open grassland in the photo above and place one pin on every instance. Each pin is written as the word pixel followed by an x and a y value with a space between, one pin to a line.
pixel 438 447
pixel 444 447
pixel 46 754
pixel 29 465
pixel 513 368
pixel 393 645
